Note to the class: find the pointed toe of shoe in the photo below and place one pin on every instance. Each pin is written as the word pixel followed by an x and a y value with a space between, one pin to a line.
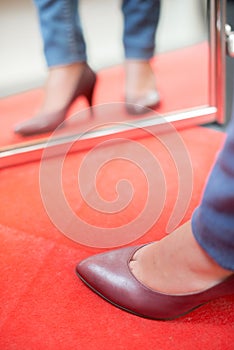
pixel 108 275
pixel 41 124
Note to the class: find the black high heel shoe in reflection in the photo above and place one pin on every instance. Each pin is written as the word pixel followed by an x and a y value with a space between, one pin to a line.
pixel 50 121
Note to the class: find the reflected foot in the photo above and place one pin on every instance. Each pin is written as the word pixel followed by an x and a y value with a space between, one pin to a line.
pixel 63 86
pixel 141 92
pixel 176 264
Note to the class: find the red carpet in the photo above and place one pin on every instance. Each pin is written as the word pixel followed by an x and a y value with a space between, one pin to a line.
pixel 43 304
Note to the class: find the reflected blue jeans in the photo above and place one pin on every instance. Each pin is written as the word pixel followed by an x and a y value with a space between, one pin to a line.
pixel 63 36
pixel 213 220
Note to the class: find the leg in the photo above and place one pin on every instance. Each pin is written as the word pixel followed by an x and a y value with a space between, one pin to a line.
pixel 61 32
pixel 206 246
pixel 64 49
pixel 140 24
pixel 65 53
pixel 177 264
pixel 213 221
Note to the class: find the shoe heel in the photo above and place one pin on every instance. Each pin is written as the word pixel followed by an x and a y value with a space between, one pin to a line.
pixel 89 94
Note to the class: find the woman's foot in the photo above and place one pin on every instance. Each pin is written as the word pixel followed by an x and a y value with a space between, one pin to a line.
pixel 176 264
pixel 140 89
pixel 165 280
pixel 64 84
pixel 60 86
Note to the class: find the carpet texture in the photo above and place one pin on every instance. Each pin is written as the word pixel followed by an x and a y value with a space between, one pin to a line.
pixel 45 306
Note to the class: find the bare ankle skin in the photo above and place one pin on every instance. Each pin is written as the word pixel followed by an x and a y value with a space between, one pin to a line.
pixel 177 264
pixel 59 86
pixel 140 78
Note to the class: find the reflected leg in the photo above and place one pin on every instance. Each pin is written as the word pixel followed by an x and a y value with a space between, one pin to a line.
pixel 61 32
pixel 65 54
pixel 140 24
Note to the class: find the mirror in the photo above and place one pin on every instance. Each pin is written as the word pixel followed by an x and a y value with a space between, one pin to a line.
pixel 189 66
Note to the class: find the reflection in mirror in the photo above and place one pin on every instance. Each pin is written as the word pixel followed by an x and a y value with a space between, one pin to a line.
pixel 181 65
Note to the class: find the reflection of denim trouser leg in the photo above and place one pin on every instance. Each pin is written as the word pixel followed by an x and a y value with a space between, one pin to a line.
pixel 213 221
pixel 63 38
pixel 61 31
pixel 140 23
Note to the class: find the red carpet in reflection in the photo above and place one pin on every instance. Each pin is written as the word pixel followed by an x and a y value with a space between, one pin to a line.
pixel 182 78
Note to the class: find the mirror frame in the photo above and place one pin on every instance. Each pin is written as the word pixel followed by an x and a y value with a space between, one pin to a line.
pixel 213 112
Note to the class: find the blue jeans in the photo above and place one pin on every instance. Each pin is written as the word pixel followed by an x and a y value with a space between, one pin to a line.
pixel 63 37
pixel 213 220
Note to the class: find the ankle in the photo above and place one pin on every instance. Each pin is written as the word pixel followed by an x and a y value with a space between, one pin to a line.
pixel 55 96
pixel 196 258
pixel 181 266
pixel 66 71
pixel 139 68
pixel 140 79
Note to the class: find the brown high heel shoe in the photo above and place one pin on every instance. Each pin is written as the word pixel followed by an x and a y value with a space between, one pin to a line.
pixel 50 121
pixel 108 274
